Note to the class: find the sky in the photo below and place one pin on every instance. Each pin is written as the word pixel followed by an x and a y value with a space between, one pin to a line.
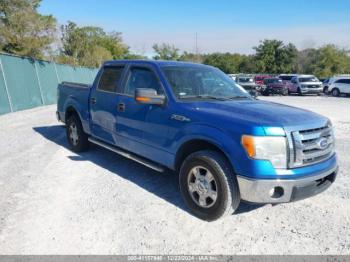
pixel 220 25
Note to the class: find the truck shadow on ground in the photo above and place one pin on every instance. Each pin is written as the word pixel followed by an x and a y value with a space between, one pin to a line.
pixel 163 185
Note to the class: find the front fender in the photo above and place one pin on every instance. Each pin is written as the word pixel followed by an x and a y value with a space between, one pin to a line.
pixel 213 135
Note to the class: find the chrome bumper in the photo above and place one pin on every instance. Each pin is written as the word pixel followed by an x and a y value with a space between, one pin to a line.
pixel 282 190
pixel 311 90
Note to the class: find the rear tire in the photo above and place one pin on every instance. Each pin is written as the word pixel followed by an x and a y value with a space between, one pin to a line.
pixel 208 185
pixel 335 92
pixel 77 139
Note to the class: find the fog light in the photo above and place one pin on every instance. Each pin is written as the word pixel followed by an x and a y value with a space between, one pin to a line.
pixel 276 192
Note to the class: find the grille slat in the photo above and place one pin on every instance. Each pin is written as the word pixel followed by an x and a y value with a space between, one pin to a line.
pixel 311 146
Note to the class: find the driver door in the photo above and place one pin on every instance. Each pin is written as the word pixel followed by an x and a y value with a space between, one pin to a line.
pixel 142 128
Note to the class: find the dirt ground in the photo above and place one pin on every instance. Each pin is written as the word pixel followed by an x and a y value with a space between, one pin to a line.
pixel 53 201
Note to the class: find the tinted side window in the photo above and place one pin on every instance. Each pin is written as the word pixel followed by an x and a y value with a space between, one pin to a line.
pixel 142 78
pixel 110 79
pixel 343 81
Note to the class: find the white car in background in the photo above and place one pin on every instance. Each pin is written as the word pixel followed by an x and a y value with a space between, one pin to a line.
pixel 339 85
pixel 305 84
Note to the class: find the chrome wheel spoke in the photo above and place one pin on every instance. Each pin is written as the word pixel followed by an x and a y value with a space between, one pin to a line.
pixel 192 187
pixel 212 195
pixel 209 177
pixel 197 173
pixel 202 200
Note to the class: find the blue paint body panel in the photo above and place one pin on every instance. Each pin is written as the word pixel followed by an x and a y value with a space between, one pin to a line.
pixel 150 131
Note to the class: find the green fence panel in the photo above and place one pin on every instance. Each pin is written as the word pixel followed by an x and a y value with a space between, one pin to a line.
pixel 22 82
pixel 32 83
pixel 48 81
pixel 4 102
pixel 65 73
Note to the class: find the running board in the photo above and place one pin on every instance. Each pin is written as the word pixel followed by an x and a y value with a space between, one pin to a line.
pixel 127 155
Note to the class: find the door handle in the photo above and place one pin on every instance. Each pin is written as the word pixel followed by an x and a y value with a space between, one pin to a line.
pixel 121 107
pixel 93 100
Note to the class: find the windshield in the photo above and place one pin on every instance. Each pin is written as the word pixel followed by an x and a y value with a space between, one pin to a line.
pixel 245 79
pixel 286 78
pixel 308 79
pixel 202 82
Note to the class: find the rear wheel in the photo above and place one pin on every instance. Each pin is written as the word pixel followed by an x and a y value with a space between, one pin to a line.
pixel 335 92
pixel 77 139
pixel 208 185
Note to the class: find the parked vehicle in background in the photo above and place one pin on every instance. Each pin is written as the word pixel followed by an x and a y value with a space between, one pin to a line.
pixel 305 84
pixel 286 78
pixel 248 84
pixel 339 85
pixel 259 80
pixel 273 86
pixel 325 84
pixel 193 119
pixel 232 76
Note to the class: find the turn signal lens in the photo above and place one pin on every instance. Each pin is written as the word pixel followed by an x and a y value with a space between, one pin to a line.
pixel 248 144
pixel 143 99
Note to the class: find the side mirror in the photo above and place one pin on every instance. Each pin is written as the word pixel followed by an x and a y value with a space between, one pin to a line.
pixel 149 96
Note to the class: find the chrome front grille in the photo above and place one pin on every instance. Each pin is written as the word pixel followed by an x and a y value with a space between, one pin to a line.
pixel 311 146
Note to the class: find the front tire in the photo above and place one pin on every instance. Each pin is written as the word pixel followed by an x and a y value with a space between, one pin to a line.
pixel 208 185
pixel 76 137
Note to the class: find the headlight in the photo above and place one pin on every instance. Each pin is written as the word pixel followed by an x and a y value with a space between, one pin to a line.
pixel 303 86
pixel 271 148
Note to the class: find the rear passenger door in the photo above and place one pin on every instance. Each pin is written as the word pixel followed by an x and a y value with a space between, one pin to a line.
pixel 104 103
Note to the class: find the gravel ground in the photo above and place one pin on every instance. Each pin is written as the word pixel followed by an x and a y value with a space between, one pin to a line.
pixel 53 201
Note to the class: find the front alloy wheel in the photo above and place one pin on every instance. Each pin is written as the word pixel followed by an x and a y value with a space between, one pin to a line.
pixel 73 134
pixel 209 185
pixel 202 187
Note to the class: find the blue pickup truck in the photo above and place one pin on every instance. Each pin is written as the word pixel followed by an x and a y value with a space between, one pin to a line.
pixel 225 145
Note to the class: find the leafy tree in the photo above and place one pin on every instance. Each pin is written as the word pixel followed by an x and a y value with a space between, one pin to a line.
pixel 273 56
pixel 247 64
pixel 23 31
pixel 166 52
pixel 90 46
pixel 330 61
pixel 227 62
pixel 191 57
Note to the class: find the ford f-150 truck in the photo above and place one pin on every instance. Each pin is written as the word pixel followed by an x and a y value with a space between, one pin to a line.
pixel 225 145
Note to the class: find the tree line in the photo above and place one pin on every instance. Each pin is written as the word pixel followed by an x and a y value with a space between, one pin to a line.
pixel 24 31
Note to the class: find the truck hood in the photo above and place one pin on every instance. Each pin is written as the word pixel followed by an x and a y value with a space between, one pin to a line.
pixel 254 113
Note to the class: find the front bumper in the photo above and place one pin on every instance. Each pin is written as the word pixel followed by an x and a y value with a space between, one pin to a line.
pixel 285 190
pixel 311 90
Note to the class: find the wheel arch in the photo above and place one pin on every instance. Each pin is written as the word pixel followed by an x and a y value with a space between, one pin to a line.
pixel 195 145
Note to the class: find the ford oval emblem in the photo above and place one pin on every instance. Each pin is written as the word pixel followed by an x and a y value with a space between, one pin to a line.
pixel 322 143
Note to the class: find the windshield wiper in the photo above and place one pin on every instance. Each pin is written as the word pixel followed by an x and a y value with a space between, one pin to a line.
pixel 238 97
pixel 205 97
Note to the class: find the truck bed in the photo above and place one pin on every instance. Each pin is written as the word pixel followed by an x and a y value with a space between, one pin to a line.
pixel 74 94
